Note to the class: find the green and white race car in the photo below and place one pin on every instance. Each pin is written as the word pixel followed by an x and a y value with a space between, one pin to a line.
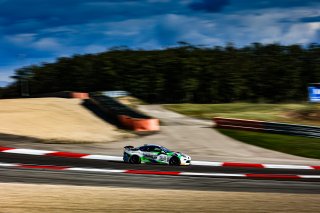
pixel 151 153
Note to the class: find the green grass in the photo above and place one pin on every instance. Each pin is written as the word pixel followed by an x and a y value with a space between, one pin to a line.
pixel 300 146
pixel 304 113
pixel 308 114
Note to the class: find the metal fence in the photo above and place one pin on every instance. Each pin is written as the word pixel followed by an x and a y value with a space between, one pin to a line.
pixel 271 127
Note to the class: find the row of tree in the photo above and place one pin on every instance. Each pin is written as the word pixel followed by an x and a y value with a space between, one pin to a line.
pixel 187 73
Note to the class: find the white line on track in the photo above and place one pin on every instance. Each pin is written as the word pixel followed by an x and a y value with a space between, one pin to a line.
pixel 103 157
pixel 151 172
pixel 28 151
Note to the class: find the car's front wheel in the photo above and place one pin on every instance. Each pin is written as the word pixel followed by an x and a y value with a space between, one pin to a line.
pixel 135 159
pixel 174 161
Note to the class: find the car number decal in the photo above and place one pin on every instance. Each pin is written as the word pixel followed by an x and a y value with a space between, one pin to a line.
pixel 162 157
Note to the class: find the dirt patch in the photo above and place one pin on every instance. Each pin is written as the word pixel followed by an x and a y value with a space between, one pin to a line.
pixel 55 120
pixel 16 198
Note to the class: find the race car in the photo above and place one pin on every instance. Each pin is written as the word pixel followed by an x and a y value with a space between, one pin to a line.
pixel 151 153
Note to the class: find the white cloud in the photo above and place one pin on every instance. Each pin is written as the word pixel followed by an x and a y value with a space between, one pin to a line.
pixel 301 33
pixel 196 30
pixel 60 29
pixel 266 26
pixel 47 44
pixel 22 39
pixel 121 33
pixel 30 40
pixel 314 26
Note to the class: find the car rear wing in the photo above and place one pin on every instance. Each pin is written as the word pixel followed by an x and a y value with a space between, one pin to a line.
pixel 128 147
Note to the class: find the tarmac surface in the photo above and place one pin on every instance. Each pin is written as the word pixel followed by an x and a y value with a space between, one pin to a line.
pixel 156 182
pixel 151 181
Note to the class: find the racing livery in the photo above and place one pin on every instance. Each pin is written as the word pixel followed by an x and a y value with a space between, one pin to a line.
pixel 151 153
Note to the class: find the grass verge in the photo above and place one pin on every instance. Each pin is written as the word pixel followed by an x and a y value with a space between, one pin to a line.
pixel 295 145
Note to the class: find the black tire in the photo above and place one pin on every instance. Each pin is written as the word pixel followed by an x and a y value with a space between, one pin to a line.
pixel 135 159
pixel 174 161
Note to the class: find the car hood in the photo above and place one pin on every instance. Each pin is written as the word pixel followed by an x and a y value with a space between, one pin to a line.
pixel 181 154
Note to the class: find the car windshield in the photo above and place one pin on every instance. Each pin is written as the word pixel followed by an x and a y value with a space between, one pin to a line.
pixel 165 149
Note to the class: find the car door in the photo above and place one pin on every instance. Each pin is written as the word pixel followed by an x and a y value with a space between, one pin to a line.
pixel 153 153
pixel 148 154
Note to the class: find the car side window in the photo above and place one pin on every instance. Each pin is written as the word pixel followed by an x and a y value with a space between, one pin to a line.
pixel 157 149
pixel 144 149
pixel 154 149
pixel 150 148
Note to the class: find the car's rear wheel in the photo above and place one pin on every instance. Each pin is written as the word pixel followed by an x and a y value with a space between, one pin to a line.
pixel 174 161
pixel 135 159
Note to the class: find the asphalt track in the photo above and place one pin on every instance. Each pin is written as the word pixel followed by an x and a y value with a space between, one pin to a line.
pixel 151 181
pixel 88 163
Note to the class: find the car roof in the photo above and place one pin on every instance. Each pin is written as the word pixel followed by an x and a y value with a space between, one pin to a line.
pixel 152 145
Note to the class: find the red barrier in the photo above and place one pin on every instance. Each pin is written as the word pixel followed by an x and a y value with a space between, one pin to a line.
pixel 126 121
pixel 231 123
pixel 79 95
pixel 240 128
pixel 146 125
pixel 139 124
pixel 238 122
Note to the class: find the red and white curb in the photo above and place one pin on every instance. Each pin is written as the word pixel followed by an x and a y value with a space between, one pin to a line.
pixel 253 165
pixel 59 154
pixel 117 158
pixel 168 173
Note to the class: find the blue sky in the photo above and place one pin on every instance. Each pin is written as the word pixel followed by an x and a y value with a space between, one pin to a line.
pixel 36 31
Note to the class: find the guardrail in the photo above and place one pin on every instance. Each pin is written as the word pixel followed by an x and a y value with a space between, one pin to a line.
pixel 126 116
pixel 271 127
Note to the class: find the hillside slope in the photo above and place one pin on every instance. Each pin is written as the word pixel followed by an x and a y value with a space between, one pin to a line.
pixel 55 119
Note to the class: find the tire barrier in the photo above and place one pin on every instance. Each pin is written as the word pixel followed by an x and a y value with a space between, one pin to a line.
pixel 270 127
pixel 127 117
